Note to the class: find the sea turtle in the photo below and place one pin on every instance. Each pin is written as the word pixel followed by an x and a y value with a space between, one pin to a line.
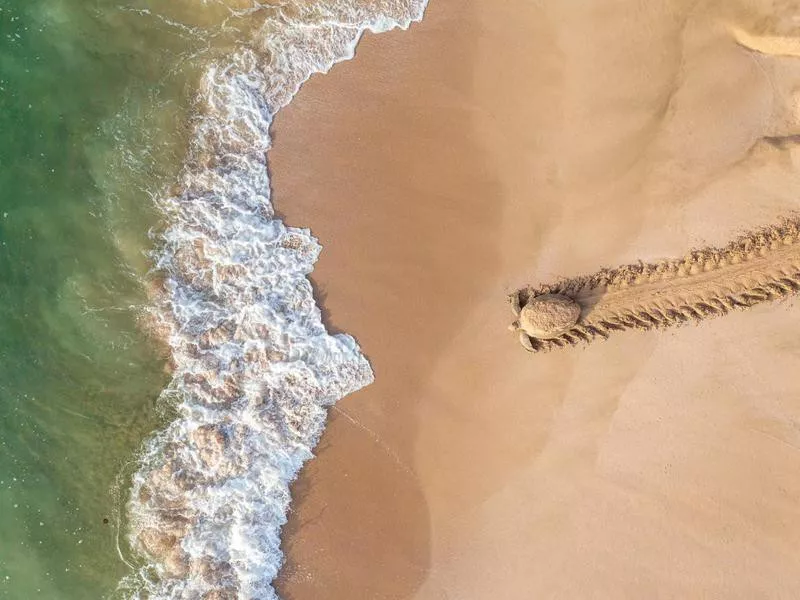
pixel 544 317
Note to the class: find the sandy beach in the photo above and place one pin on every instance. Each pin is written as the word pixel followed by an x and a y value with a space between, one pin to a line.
pixel 496 145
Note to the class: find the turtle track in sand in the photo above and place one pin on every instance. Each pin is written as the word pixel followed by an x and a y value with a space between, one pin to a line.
pixel 760 266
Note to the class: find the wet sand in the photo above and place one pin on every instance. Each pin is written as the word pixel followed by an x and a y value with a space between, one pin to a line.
pixel 493 147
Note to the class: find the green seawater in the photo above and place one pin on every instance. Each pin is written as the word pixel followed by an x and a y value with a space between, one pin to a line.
pixel 94 98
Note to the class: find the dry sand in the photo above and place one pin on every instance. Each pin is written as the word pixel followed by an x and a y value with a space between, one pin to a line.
pixel 504 143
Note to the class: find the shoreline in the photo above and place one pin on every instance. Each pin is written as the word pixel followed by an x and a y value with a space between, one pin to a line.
pixel 254 368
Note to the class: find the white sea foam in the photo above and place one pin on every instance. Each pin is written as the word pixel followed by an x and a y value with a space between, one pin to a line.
pixel 255 368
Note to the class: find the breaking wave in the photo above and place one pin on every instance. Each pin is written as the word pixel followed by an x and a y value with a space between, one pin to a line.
pixel 254 367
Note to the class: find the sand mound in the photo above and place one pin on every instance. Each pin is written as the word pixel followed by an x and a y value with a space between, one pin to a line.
pixel 758 267
pixel 776 45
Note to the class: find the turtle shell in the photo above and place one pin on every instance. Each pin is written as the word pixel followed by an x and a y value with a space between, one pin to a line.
pixel 549 315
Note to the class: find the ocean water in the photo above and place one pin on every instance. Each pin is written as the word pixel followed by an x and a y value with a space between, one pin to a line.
pixel 85 89
pixel 165 370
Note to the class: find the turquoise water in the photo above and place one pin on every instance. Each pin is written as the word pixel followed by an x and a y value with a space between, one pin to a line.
pixel 91 123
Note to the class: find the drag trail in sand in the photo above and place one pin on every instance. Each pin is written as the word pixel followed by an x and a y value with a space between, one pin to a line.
pixel 760 266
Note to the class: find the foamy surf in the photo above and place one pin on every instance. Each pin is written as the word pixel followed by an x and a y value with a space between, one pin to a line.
pixel 254 367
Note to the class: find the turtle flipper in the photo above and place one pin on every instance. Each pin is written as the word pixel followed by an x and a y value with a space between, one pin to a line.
pixel 526 342
pixel 515 303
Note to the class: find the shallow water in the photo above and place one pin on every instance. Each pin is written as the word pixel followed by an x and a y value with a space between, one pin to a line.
pixel 82 95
